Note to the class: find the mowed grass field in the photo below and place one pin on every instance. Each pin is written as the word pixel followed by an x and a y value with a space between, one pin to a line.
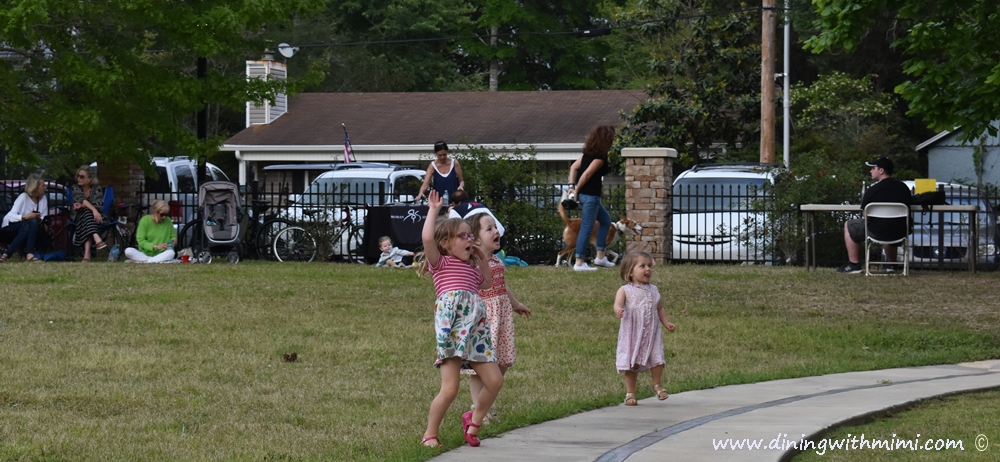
pixel 185 362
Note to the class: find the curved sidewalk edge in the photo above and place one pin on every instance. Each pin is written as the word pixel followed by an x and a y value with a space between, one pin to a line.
pixel 692 426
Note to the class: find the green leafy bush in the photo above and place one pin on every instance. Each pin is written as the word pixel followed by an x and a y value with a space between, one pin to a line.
pixel 513 186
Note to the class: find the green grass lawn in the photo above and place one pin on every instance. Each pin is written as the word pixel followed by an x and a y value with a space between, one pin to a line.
pixel 184 362
pixel 969 423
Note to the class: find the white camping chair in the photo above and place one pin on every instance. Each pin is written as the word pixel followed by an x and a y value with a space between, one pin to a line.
pixel 885 210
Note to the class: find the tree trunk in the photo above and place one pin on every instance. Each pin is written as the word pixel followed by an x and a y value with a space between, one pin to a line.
pixel 494 64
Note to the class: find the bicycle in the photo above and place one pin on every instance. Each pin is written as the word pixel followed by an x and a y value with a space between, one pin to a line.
pixel 296 243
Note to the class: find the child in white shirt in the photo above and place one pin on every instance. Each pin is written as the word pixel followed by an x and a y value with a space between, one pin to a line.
pixel 391 256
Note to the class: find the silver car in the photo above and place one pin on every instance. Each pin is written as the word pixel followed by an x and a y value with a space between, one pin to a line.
pixel 941 239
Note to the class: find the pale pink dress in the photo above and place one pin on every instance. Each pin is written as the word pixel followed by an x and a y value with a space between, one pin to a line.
pixel 640 338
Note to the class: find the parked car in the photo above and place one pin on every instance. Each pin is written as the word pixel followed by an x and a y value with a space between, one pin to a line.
pixel 930 228
pixel 714 215
pixel 341 197
pixel 176 183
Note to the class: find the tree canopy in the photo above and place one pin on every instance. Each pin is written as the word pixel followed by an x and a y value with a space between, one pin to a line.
pixel 706 83
pixel 117 80
pixel 952 54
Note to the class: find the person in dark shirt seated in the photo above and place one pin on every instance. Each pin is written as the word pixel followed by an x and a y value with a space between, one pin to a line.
pixel 886 189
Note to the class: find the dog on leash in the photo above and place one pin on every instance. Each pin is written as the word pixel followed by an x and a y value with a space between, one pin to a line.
pixel 572 230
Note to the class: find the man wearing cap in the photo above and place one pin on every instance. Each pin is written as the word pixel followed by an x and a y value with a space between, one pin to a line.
pixel 886 189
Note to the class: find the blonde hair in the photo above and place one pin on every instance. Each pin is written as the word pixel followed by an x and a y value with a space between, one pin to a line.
pixel 629 262
pixel 90 173
pixel 383 239
pixel 159 206
pixel 444 231
pixel 31 185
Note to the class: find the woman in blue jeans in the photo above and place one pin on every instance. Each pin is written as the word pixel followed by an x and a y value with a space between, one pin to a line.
pixel 587 186
pixel 24 219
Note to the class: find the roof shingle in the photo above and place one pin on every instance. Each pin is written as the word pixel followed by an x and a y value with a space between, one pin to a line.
pixel 523 117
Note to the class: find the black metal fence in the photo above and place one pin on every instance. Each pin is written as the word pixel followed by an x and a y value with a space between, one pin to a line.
pixel 711 223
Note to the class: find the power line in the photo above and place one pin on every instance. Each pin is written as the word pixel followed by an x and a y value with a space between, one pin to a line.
pixel 593 32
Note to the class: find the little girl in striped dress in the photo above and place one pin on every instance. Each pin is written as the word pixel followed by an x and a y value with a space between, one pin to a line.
pixel 460 269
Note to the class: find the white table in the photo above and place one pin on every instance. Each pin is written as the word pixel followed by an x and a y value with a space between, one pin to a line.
pixel 811 209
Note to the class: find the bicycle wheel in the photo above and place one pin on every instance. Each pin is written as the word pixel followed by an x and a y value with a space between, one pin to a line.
pixel 192 235
pixel 356 251
pixel 294 244
pixel 264 237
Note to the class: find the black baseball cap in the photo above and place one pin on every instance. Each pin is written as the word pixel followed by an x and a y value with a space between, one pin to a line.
pixel 883 163
pixel 440 146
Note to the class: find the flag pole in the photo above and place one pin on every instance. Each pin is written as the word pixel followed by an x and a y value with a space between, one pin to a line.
pixel 348 149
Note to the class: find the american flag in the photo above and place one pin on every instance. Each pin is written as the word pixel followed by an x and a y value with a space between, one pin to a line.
pixel 348 152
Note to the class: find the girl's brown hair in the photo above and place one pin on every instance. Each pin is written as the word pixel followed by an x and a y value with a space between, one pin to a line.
pixel 599 141
pixel 444 231
pixel 629 261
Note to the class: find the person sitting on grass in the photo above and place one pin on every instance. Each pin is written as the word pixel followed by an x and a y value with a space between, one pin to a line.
pixel 155 236
pixel 24 219
pixel 391 256
pixel 886 189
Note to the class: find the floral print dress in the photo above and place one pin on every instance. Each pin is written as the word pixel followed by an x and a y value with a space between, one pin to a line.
pixel 460 320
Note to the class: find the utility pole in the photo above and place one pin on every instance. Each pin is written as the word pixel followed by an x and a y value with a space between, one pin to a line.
pixel 786 94
pixel 767 83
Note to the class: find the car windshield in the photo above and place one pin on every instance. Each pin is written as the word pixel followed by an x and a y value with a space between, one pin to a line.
pixel 694 195
pixel 327 192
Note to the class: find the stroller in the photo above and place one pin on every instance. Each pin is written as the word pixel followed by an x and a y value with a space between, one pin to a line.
pixel 224 222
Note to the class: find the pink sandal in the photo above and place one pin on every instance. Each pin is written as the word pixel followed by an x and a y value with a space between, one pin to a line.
pixel 425 439
pixel 473 440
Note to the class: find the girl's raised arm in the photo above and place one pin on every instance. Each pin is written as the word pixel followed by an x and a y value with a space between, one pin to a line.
pixel 427 233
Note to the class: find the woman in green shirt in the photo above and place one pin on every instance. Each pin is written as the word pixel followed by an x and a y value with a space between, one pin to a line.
pixel 155 236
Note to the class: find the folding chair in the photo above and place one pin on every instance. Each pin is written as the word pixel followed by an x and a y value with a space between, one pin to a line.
pixel 887 210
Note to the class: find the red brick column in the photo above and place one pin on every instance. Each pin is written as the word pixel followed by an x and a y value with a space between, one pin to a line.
pixel 125 177
pixel 648 179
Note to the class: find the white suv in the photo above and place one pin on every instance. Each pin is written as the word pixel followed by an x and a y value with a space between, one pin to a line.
pixel 341 196
pixel 176 183
pixel 714 216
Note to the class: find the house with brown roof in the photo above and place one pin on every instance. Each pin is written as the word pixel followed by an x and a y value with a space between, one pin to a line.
pixel 402 127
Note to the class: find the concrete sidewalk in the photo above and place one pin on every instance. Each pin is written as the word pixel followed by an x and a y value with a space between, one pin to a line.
pixel 684 426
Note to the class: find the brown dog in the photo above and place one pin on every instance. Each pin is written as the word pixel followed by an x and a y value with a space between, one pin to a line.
pixel 572 230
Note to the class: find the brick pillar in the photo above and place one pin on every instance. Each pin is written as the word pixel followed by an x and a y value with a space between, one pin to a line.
pixel 124 177
pixel 648 179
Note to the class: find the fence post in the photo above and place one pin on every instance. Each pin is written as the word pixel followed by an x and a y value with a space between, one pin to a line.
pixel 648 179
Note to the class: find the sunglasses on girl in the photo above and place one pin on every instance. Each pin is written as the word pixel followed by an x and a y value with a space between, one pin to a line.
pixel 467 236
